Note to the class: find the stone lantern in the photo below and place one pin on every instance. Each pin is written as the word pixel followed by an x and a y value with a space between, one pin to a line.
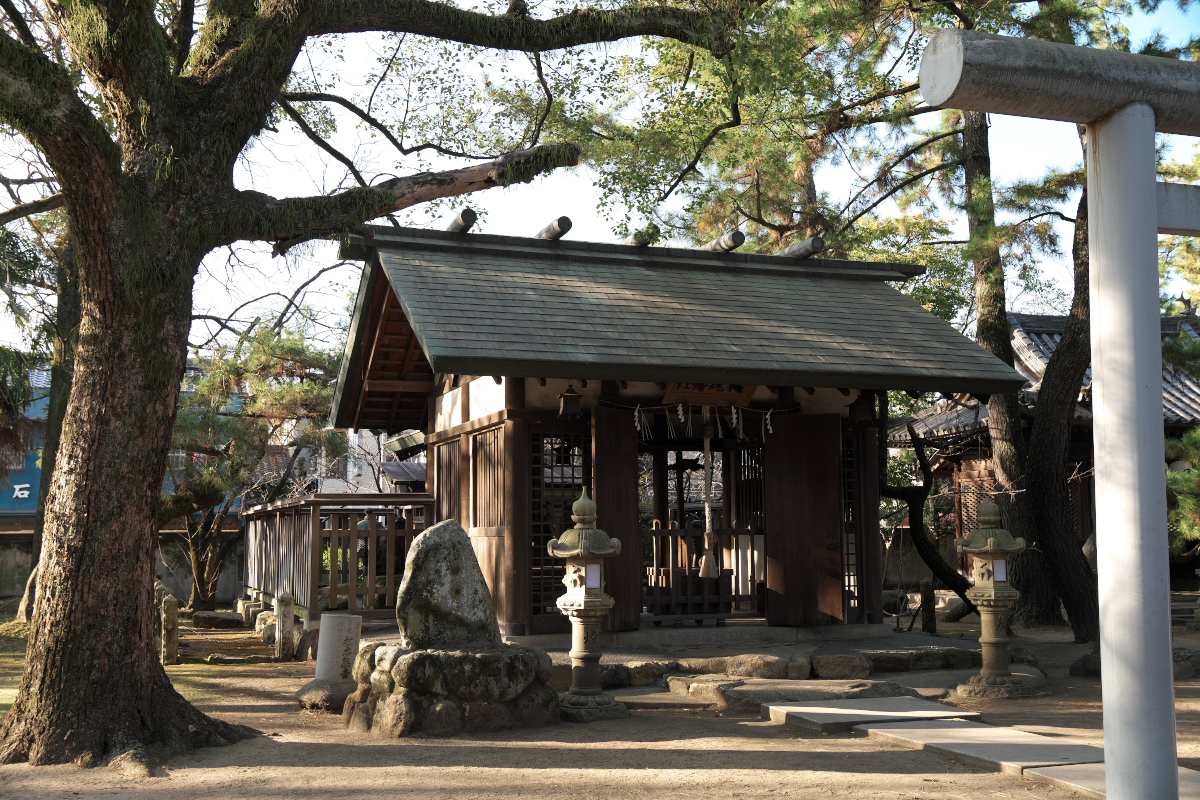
pixel 585 547
pixel 991 546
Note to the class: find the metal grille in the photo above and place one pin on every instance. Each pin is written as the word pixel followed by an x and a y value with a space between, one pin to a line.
pixel 561 463
pixel 850 578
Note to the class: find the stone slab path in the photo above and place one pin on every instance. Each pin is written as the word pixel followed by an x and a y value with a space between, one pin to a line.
pixel 843 715
pixel 1006 749
pixel 923 725
pixel 1088 779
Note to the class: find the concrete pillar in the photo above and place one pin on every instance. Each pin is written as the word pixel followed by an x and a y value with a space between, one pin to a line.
pixel 285 626
pixel 1131 515
pixel 339 646
pixel 170 630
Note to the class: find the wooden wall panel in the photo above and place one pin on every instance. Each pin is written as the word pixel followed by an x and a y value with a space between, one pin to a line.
pixel 803 536
pixel 513 592
pixel 615 485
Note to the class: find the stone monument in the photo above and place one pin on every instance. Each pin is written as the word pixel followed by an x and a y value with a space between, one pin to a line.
pixel 585 547
pixel 991 545
pixel 450 671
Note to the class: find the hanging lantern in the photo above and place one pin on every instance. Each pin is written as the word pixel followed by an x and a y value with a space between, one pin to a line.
pixel 862 411
pixel 569 403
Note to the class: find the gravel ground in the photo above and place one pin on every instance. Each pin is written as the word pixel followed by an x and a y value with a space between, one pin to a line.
pixel 659 753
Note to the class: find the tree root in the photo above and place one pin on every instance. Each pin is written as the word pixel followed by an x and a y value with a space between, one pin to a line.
pixel 133 740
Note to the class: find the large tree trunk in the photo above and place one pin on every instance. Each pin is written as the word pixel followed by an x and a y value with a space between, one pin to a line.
pixel 93 686
pixel 1009 456
pixel 62 365
pixel 1048 442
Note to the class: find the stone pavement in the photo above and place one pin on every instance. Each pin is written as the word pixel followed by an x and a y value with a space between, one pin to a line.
pixel 924 725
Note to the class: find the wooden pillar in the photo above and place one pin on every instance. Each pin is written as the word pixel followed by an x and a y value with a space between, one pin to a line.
pixel 803 526
pixel 615 489
pixel 513 600
pixel 870 545
pixel 662 508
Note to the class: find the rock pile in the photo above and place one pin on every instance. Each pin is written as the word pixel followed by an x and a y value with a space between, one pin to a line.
pixel 444 692
pixel 450 672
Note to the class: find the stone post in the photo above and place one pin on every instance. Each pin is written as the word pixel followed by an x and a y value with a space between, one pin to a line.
pixel 339 646
pixel 285 625
pixel 991 545
pixel 585 547
pixel 170 630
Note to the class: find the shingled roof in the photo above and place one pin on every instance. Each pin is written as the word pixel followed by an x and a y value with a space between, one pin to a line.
pixel 1034 337
pixel 500 305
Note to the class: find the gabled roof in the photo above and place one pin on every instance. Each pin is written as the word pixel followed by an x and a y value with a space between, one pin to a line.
pixel 501 305
pixel 1034 338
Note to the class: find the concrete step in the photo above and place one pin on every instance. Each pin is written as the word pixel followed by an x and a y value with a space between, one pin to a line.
pixel 1088 779
pixel 1005 749
pixel 842 715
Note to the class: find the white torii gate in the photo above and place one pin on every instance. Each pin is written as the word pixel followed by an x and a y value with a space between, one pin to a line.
pixel 1123 99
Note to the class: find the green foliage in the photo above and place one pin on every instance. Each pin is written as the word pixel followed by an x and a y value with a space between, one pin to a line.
pixel 251 408
pixel 267 391
pixel 1183 491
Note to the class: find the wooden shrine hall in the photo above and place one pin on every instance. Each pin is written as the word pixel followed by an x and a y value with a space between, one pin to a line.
pixel 537 367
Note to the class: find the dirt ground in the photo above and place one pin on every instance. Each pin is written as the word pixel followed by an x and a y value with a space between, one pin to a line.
pixel 654 754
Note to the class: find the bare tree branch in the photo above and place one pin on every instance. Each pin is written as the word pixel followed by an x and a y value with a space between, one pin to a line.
pixel 18 21
pixel 320 142
pixel 895 189
pixel 519 32
pixel 34 207
pixel 735 119
pixel 281 320
pixel 537 128
pixel 256 216
pixel 307 97
pixel 896 162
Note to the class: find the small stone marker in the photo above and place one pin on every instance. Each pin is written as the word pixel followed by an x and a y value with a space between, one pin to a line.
pixel 444 600
pixel 285 626
pixel 335 664
pixel 170 629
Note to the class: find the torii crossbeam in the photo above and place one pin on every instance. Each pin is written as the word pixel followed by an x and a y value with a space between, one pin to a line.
pixel 1123 99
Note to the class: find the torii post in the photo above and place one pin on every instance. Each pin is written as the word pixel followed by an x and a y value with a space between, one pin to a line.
pixel 1123 99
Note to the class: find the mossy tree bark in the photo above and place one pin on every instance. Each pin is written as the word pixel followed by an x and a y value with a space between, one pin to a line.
pixel 1048 442
pixel 146 171
pixel 1032 475
pixel 62 367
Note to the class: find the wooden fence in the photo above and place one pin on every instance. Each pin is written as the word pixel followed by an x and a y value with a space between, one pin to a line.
pixel 334 551
pixel 674 590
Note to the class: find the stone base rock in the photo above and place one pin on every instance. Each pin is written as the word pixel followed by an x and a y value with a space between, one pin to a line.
pixel 1012 690
pixel 325 695
pixel 749 694
pixel 592 708
pixel 841 666
pixel 217 619
pixel 444 692
pixel 1085 665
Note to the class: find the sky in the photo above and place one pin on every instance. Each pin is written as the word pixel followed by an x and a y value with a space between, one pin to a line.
pixel 288 165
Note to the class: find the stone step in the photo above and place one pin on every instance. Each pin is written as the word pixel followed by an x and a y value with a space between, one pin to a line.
pixel 842 715
pixel 1005 749
pixel 1088 779
pixel 748 695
